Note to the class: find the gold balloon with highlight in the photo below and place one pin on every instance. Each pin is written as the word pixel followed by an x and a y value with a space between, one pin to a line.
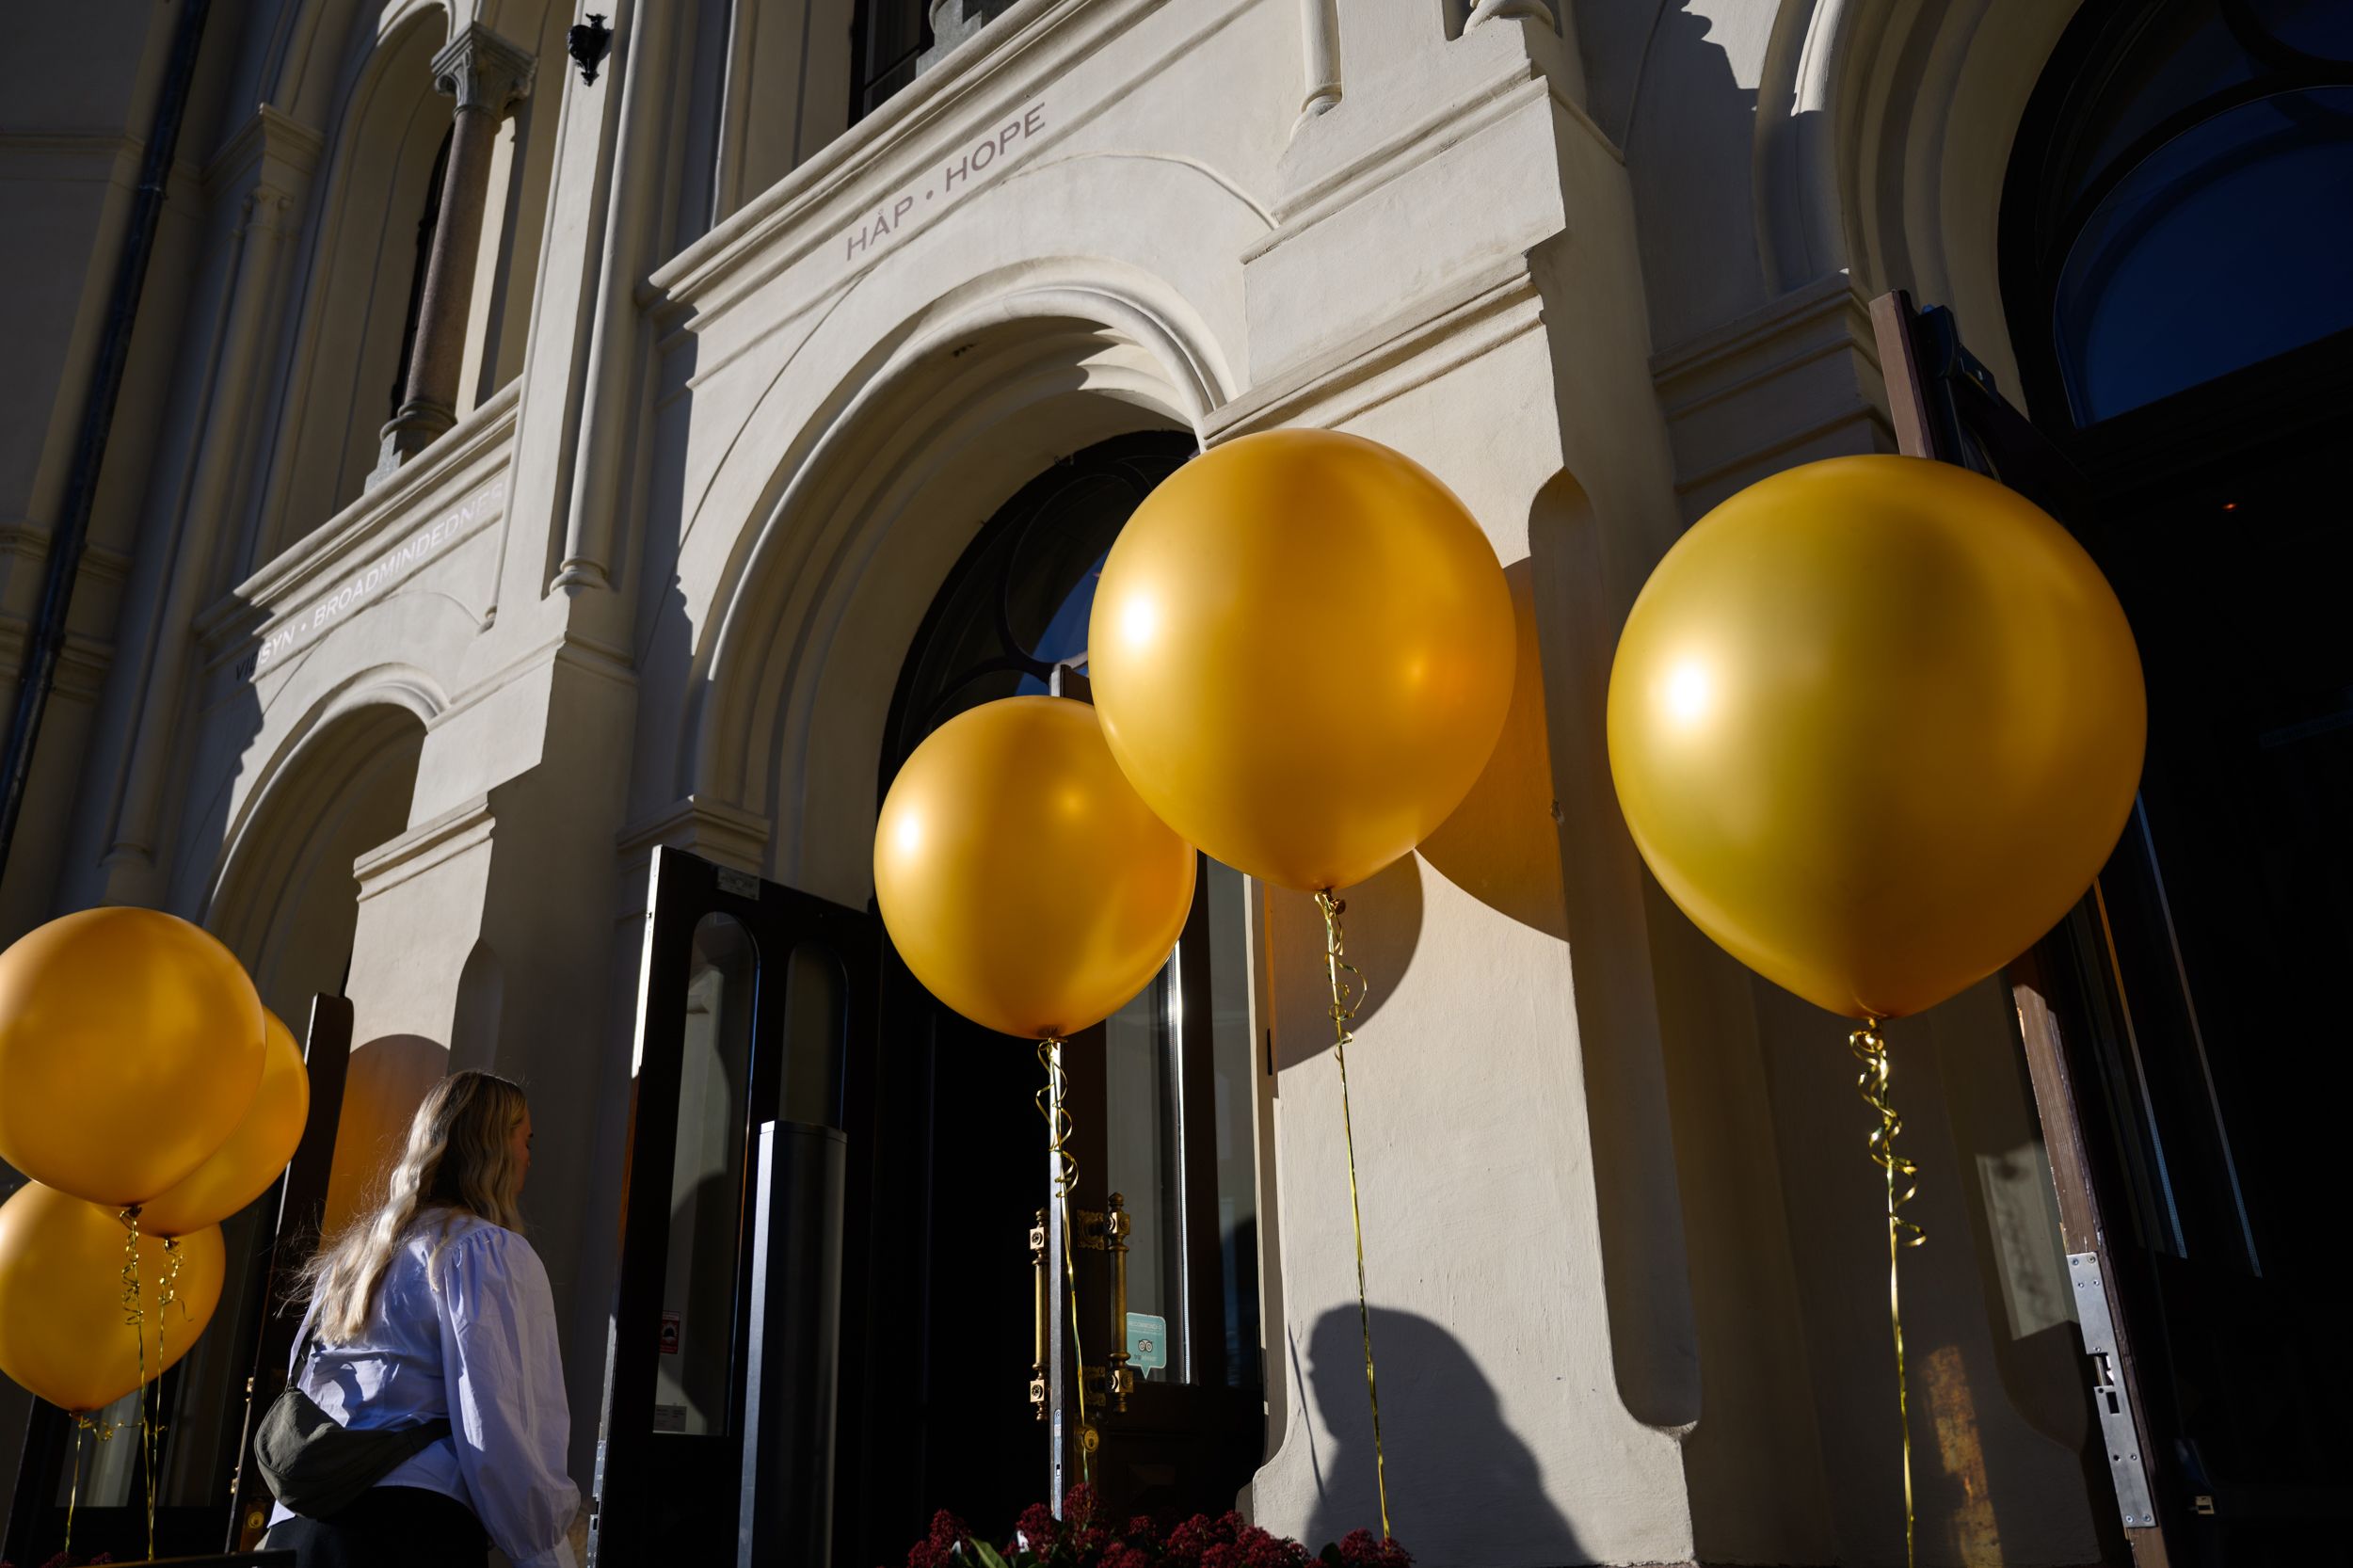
pixel 1301 649
pixel 131 1047
pixel 1020 876
pixel 1875 723
pixel 62 1333
pixel 243 1168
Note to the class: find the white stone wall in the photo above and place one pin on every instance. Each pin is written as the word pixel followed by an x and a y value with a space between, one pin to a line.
pixel 743 387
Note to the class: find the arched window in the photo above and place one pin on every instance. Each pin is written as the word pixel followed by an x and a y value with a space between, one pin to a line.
pixel 2180 200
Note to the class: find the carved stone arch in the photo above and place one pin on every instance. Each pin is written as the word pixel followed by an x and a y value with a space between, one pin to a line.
pixel 280 890
pixel 867 514
pixel 1883 130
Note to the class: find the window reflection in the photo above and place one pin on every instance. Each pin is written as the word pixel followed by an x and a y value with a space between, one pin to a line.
pixel 2230 244
pixel 2190 210
pixel 692 1385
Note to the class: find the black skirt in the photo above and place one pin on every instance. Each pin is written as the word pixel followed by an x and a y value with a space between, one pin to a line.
pixel 389 1527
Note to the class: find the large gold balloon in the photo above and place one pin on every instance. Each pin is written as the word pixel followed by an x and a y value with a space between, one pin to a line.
pixel 1019 875
pixel 243 1168
pixel 62 1333
pixel 1301 649
pixel 1876 722
pixel 131 1045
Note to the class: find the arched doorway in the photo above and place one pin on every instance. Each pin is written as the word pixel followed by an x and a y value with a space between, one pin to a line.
pixel 286 902
pixel 1164 1096
pixel 2177 269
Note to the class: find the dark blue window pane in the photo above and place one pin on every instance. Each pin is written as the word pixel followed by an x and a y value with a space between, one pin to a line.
pixel 2321 28
pixel 2232 243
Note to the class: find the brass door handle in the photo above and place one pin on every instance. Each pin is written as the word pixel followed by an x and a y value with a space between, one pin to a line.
pixel 1045 1304
pixel 1116 1227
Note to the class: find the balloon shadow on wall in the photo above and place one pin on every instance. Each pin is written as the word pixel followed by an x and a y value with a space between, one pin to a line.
pixel 386 1081
pixel 1463 1488
pixel 1382 925
pixel 1502 844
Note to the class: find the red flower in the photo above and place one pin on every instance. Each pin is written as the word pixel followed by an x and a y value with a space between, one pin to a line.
pixel 938 1549
pixel 1358 1549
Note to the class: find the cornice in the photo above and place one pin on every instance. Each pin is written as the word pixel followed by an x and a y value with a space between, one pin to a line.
pixel 437 476
pixel 1442 331
pixel 1024 50
pixel 701 824
pixel 267 135
pixel 462 827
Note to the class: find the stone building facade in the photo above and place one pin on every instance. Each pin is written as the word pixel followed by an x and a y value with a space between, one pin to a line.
pixel 517 473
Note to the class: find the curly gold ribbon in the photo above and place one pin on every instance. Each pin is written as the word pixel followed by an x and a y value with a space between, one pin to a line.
pixel 1871 1051
pixel 167 1296
pixel 1050 1102
pixel 1343 1014
pixel 104 1432
pixel 134 1318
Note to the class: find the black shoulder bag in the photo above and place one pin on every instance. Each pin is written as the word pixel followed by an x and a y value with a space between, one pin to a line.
pixel 317 1466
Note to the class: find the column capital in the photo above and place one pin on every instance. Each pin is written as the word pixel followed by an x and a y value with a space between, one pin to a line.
pixel 484 71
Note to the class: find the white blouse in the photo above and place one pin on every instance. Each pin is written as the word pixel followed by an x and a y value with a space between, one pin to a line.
pixel 469 1336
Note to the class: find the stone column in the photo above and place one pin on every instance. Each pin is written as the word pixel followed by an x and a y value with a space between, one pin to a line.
pixel 488 76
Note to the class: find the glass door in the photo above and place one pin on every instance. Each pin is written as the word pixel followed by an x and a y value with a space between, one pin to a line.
pixel 751 995
pixel 1163 1218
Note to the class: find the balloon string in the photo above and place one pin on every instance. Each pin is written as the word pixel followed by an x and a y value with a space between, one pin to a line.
pixel 134 1318
pixel 1343 1014
pixel 1871 1051
pixel 73 1493
pixel 167 1296
pixel 1050 1104
pixel 104 1432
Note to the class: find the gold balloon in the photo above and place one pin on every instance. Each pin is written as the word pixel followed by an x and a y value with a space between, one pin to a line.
pixel 62 1333
pixel 243 1168
pixel 1301 651
pixel 1019 875
pixel 1874 723
pixel 131 1045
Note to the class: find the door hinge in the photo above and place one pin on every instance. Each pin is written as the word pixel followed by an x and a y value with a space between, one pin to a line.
pixel 2117 1429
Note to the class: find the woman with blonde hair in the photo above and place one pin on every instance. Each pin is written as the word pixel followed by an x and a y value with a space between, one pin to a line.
pixel 424 1418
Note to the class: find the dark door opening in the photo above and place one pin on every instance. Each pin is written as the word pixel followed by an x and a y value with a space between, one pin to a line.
pixel 958 1289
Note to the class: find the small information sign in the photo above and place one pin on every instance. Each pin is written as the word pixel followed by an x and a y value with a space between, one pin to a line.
pixel 1148 1342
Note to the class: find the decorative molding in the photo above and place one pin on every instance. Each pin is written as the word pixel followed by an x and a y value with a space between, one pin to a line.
pixel 82 664
pixel 462 458
pixel 1803 372
pixel 267 136
pixel 465 827
pixel 711 827
pixel 1443 331
pixel 1038 43
pixel 1510 10
pixel 1380 163
pixel 484 72
pixel 1320 22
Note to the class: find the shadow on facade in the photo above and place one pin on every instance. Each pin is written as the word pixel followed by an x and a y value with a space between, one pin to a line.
pixel 1380 919
pixel 1443 1429
pixel 1502 844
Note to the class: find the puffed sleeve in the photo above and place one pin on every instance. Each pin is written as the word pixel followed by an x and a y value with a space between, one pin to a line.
pixel 507 1412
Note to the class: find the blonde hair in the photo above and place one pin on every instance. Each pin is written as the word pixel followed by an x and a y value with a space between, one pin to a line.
pixel 459 1158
